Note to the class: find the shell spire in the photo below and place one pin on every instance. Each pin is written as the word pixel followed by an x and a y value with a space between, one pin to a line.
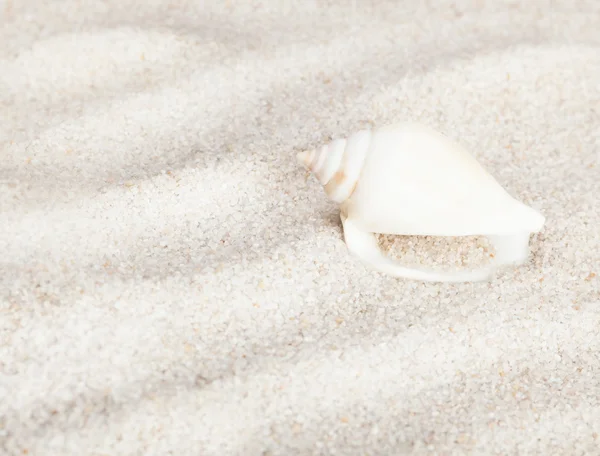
pixel 337 165
pixel 306 157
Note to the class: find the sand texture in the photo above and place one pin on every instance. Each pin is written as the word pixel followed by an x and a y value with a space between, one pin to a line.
pixel 172 282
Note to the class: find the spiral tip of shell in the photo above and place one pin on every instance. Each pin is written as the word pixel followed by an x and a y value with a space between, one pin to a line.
pixel 305 157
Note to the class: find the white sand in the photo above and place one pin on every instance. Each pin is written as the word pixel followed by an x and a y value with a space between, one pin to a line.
pixel 172 282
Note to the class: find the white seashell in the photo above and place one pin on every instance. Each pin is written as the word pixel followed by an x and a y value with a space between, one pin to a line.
pixel 407 179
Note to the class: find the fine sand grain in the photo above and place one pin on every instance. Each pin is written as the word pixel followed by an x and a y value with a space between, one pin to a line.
pixel 173 282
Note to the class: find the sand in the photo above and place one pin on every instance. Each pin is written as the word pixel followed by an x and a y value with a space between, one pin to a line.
pixel 173 282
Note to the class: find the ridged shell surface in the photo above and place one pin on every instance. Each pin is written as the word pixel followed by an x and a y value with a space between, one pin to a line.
pixel 338 165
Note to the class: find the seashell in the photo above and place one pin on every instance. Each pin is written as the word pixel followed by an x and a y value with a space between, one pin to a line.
pixel 408 179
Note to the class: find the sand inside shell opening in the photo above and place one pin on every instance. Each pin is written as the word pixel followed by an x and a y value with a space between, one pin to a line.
pixel 439 252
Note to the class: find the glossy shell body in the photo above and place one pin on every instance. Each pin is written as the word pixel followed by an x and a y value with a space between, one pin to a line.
pixel 415 181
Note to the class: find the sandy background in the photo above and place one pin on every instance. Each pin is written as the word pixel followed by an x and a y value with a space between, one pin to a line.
pixel 172 282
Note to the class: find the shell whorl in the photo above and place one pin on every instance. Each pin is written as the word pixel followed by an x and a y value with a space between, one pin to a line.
pixel 337 165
